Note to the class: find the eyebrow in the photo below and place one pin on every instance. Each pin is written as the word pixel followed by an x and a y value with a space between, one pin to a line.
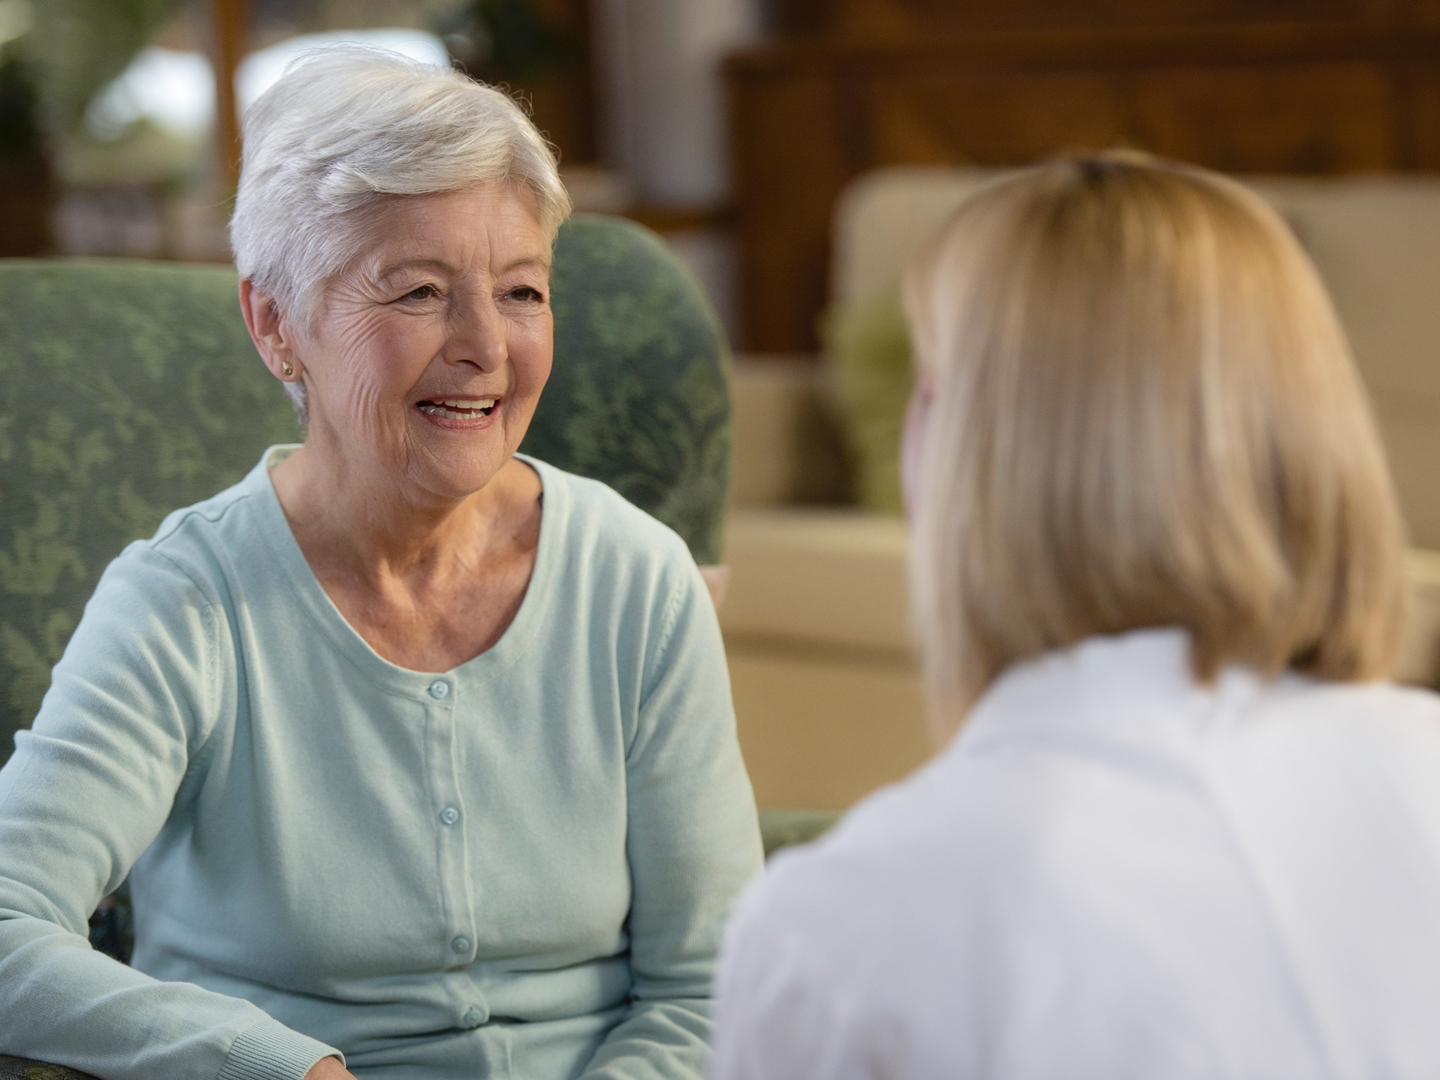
pixel 532 260
pixel 390 270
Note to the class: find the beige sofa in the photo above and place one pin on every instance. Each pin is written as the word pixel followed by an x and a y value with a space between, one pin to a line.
pixel 826 687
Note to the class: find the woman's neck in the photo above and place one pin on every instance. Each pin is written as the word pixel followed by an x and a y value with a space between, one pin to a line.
pixel 427 583
pixel 375 530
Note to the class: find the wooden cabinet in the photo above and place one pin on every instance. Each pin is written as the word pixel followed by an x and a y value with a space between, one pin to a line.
pixel 808 114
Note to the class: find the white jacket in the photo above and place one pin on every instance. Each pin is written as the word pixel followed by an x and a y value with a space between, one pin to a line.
pixel 1113 872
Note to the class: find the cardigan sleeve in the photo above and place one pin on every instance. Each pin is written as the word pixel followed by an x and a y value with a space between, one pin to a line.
pixel 89 786
pixel 693 844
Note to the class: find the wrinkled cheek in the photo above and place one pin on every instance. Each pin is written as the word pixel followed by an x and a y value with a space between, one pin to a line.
pixel 531 377
pixel 539 358
pixel 367 419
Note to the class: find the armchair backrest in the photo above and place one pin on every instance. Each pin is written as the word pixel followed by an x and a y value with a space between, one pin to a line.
pixel 129 389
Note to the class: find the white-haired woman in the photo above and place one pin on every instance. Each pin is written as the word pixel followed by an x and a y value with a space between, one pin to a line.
pixel 1183 833
pixel 414 751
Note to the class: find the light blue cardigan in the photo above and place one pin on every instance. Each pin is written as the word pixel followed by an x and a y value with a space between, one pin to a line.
pixel 520 867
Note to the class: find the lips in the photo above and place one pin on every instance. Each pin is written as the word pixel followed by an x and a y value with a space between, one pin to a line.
pixel 457 408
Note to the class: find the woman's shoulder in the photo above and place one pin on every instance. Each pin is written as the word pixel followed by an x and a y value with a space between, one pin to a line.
pixel 881 914
pixel 1295 696
pixel 969 826
pixel 200 542
pixel 1347 725
pixel 608 524
pixel 886 865
pixel 1349 754
pixel 943 887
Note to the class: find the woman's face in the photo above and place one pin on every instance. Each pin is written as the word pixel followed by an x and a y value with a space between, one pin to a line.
pixel 428 355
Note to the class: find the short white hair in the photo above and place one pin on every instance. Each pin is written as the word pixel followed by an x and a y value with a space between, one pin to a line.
pixel 348 126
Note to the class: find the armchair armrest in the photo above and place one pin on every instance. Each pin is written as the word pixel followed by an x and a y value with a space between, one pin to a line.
pixel 14 1068
pixel 781 828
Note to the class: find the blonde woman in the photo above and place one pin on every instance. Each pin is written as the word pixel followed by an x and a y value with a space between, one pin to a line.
pixel 1185 830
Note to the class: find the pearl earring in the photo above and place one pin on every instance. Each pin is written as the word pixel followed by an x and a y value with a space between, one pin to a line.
pixel 287 368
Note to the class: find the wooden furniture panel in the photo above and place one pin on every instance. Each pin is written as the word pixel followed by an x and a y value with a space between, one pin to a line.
pixel 987 117
pixel 1421 103
pixel 859 18
pixel 970 14
pixel 802 167
pixel 808 115
pixel 1300 118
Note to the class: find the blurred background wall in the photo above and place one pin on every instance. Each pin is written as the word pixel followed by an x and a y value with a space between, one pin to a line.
pixel 118 132
pixel 794 152
pixel 729 125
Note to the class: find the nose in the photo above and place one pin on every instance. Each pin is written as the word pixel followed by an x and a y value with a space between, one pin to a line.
pixel 477 333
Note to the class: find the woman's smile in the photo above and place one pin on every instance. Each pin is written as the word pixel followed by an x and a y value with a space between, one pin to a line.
pixel 459 413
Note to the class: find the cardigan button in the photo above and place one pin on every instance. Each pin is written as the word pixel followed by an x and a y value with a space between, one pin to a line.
pixel 474 1017
pixel 439 689
pixel 460 944
pixel 449 815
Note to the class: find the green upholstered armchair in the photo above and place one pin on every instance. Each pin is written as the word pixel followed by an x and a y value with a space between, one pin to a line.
pixel 129 389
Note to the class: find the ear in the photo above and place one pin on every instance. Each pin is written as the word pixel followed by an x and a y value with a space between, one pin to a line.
pixel 273 335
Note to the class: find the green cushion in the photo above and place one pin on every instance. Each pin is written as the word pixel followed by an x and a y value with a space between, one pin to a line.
pixel 867 348
pixel 128 389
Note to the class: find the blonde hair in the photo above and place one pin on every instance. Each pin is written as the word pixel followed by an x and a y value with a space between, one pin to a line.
pixel 1144 414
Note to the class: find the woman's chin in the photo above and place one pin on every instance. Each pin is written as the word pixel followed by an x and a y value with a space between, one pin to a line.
pixel 459 475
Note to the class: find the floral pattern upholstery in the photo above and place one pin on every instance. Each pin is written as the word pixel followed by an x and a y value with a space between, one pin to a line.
pixel 639 396
pixel 14 1068
pixel 128 389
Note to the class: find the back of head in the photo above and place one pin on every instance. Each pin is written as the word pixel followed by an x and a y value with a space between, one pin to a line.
pixel 1144 414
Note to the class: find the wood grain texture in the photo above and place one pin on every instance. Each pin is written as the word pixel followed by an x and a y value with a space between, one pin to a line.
pixel 810 113
pixel 861 18
pixel 793 163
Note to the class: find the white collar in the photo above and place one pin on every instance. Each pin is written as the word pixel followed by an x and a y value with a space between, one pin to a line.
pixel 1123 687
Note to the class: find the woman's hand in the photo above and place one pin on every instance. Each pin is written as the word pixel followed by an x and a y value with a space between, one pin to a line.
pixel 328 1068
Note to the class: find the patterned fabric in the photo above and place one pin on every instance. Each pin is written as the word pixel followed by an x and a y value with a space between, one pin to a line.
pixel 128 389
pixel 640 393
pixel 14 1068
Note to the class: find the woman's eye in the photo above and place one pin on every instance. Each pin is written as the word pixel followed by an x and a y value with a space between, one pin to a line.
pixel 424 292
pixel 525 292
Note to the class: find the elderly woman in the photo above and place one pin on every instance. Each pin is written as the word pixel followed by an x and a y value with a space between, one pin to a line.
pixel 1158 564
pixel 418 754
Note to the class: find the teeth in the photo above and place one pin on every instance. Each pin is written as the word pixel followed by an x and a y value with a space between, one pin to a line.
pixel 451 408
pixel 457 408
